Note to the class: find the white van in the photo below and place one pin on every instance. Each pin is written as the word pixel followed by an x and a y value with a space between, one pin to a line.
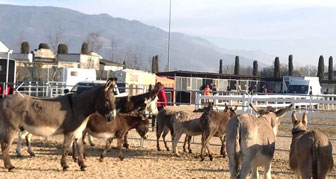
pixel 305 86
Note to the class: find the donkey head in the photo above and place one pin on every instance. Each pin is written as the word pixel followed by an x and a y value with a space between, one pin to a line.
pixel 230 110
pixel 271 115
pixel 299 125
pixel 105 102
pixel 142 126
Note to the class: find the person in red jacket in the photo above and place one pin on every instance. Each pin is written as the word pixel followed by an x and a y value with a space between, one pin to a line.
pixel 161 103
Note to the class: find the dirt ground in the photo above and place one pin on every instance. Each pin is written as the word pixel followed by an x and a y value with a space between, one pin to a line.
pixel 139 162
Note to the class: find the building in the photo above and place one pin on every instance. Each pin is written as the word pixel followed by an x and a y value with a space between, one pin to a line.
pixel 188 83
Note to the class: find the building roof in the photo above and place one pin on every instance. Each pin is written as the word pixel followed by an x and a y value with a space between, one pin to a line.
pixel 110 63
pixel 206 75
pixel 3 48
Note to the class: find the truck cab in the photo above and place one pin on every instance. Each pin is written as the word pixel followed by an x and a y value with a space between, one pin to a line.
pixel 305 86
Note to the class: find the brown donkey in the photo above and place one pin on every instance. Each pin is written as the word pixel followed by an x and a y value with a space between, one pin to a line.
pixel 310 152
pixel 99 127
pixel 214 124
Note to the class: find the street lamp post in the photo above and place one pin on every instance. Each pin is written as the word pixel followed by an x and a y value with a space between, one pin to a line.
pixel 7 69
pixel 169 35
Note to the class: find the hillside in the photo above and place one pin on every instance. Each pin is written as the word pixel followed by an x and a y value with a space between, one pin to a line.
pixel 130 39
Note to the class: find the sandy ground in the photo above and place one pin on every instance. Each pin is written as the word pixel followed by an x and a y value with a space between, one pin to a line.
pixel 139 162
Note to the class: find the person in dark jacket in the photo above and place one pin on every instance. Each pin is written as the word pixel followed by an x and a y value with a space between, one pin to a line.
pixel 161 104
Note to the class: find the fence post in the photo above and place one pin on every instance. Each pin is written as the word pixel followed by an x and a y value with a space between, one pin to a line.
pixel 197 101
pixel 243 102
pixel 310 111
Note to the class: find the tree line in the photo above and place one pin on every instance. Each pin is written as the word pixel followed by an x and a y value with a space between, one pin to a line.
pixel 278 70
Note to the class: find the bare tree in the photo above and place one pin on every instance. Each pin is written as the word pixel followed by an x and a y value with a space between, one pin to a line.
pixel 133 55
pixel 113 44
pixel 55 37
pixel 94 41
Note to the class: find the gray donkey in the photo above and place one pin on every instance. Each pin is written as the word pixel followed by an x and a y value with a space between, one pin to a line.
pixel 310 152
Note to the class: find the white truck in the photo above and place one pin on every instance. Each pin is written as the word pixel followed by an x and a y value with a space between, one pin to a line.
pixel 71 76
pixel 304 85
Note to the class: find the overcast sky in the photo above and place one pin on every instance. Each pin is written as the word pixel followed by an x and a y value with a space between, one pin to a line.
pixel 304 28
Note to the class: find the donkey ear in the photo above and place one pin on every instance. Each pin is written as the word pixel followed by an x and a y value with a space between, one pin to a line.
pixel 257 109
pixel 282 112
pixel 235 109
pixel 294 118
pixel 305 119
pixel 110 83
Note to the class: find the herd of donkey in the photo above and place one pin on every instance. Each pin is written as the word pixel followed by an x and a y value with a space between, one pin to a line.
pixel 248 140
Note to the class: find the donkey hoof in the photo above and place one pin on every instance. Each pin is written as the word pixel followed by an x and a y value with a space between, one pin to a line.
pixel 167 149
pixel 83 168
pixel 126 145
pixel 10 168
pixel 158 149
pixel 19 155
pixel 92 145
pixel 121 158
pixel 101 159
pixel 190 151
pixel 32 154
pixel 202 159
pixel 65 168
pixel 210 157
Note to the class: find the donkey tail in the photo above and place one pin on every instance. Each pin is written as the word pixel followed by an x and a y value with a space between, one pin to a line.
pixel 315 157
pixel 233 147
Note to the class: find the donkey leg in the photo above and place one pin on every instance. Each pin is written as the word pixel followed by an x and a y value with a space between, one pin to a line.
pixel 80 148
pixel 267 170
pixel 176 138
pixel 106 148
pixel 120 143
pixel 5 146
pixel 203 146
pixel 246 166
pixel 18 145
pixel 28 140
pixel 68 138
pixel 126 145
pixel 158 135
pixel 255 173
pixel 185 142
pixel 222 151
pixel 74 151
pixel 90 140
pixel 189 148
pixel 165 132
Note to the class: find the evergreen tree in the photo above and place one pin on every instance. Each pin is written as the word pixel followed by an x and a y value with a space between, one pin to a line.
pixel 62 49
pixel 320 68
pixel 330 69
pixel 43 46
pixel 85 48
pixel 255 68
pixel 155 64
pixel 221 66
pixel 290 65
pixel 277 68
pixel 237 67
pixel 25 47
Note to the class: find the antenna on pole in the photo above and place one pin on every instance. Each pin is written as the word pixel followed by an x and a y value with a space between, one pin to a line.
pixel 169 35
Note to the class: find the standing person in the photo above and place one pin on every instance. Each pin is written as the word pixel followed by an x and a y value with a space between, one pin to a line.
pixel 161 104
pixel 207 92
pixel 214 90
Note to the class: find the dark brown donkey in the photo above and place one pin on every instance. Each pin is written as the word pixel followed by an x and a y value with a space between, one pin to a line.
pixel 98 127
pixel 65 115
